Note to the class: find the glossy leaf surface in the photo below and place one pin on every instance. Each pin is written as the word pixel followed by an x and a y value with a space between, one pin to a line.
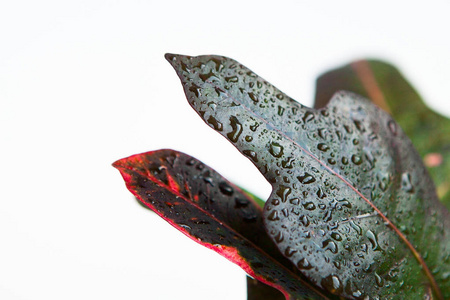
pixel 213 212
pixel 352 204
pixel 385 86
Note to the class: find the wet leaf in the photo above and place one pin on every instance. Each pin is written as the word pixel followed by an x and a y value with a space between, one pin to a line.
pixel 384 84
pixel 214 213
pixel 352 204
pixel 256 290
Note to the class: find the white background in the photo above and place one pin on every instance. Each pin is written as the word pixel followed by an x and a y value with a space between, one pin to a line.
pixel 84 83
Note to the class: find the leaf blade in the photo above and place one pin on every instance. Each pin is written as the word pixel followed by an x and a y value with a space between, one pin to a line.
pixel 211 211
pixel 385 85
pixel 285 146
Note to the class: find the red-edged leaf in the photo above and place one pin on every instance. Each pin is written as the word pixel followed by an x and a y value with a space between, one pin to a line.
pixel 214 213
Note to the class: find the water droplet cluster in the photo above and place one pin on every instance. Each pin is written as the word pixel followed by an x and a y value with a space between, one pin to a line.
pixel 319 163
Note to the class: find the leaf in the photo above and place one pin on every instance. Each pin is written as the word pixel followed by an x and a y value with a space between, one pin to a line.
pixel 352 204
pixel 214 213
pixel 385 85
pixel 256 290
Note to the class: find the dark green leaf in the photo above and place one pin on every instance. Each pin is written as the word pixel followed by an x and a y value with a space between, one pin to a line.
pixel 386 87
pixel 214 213
pixel 352 204
pixel 256 290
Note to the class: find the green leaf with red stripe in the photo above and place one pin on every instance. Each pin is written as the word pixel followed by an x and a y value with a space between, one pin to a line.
pixel 352 205
pixel 428 130
pixel 214 213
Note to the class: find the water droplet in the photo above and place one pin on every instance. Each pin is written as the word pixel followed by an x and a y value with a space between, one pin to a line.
pixel 187 227
pixel 379 280
pixel 225 189
pixel 345 160
pixel 288 163
pixel 392 127
pixel 332 283
pixel 254 126
pixel 283 192
pixel 279 237
pixel 304 264
pixel 253 97
pixel 240 202
pixel 276 149
pixel 320 193
pixel 323 147
pixel 356 227
pixel 216 124
pixel 237 129
pixel 306 178
pixel 294 201
pixel 206 77
pixel 251 154
pixel 304 220
pixel 336 236
pixel 373 240
pixel 331 161
pixel 345 202
pixel 232 79
pixel 309 206
pixel 406 183
pixel 248 138
pixel 280 111
pixel 359 125
pixel 273 216
pixel 330 246
pixel 356 159
pixel 348 129
pixel 308 117
pixel 322 132
pixel 196 90
pixel 289 251
pixel 357 293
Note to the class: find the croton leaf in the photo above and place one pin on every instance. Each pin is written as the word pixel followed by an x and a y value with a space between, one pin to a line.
pixel 214 213
pixel 352 205
pixel 385 86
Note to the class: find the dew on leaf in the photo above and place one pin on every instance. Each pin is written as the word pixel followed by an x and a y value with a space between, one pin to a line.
pixel 232 79
pixel 216 124
pixel 356 227
pixel 306 178
pixel 345 160
pixel 332 283
pixel 309 116
pixel 289 251
pixel 273 216
pixel 252 154
pixel 373 240
pixel 336 236
pixel 406 183
pixel 309 206
pixel 225 188
pixel 305 221
pixel 276 149
pixel 356 159
pixel 323 147
pixel 304 264
pixel 330 246
pixel 237 129
pixel 283 192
